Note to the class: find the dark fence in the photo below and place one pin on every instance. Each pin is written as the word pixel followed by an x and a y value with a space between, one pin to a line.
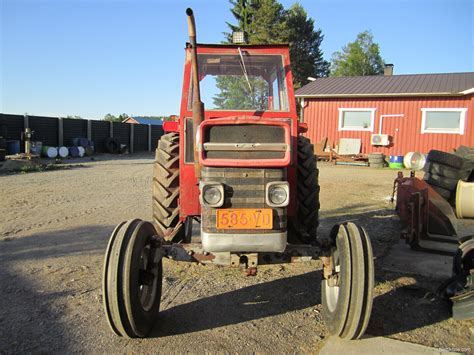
pixel 55 132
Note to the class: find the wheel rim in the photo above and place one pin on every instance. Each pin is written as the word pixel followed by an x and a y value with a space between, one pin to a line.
pixel 148 279
pixel 332 292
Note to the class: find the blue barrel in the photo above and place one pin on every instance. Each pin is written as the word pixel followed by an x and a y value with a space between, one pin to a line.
pixel 74 152
pixel 80 142
pixel 13 147
pixel 396 162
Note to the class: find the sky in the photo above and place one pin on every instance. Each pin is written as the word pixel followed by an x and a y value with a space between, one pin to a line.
pixel 90 58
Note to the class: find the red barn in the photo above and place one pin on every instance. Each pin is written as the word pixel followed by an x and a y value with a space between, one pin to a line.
pixel 393 114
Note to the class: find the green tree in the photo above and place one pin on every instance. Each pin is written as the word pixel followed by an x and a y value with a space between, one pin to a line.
pixel 75 117
pixel 305 46
pixel 361 57
pixel 123 116
pixel 112 118
pixel 242 11
pixel 235 93
pixel 267 22
pixel 262 21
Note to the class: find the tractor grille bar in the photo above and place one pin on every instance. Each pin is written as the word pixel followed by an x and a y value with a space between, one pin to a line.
pixel 243 188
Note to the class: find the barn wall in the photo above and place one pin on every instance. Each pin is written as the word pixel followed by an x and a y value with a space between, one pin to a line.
pixel 322 117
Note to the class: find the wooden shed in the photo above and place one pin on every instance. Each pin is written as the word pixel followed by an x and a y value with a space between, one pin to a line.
pixel 393 114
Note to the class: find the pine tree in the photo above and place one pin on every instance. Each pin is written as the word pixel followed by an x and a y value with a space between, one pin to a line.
pixel 242 11
pixel 267 22
pixel 305 46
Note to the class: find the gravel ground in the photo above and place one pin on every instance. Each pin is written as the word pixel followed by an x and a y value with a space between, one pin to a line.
pixel 53 233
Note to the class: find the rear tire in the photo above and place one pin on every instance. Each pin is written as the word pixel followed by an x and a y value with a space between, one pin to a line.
pixel 444 158
pixel 166 187
pixel 441 181
pixel 376 165
pixel 376 159
pixel 112 146
pixel 304 226
pixel 347 305
pixel 446 171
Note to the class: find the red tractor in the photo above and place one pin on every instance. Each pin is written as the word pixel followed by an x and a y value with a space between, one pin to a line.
pixel 242 169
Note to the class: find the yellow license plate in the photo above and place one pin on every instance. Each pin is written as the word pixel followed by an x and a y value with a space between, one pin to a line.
pixel 245 218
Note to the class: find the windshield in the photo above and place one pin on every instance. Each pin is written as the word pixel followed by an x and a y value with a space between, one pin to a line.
pixel 242 82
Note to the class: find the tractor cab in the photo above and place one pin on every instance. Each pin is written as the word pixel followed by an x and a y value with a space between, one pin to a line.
pixel 238 80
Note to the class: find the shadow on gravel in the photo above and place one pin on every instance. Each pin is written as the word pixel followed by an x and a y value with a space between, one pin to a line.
pixel 382 225
pixel 407 307
pixel 243 305
pixel 378 222
pixel 85 240
pixel 28 324
pixel 30 317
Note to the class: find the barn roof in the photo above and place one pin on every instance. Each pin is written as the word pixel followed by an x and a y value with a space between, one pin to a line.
pixel 394 85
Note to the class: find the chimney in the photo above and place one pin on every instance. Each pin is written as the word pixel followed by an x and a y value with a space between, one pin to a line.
pixel 388 70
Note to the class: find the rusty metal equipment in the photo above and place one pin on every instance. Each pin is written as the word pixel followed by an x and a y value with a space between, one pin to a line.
pixel 243 171
pixel 428 219
pixel 430 225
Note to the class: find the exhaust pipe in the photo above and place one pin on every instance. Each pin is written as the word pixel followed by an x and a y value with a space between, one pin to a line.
pixel 198 105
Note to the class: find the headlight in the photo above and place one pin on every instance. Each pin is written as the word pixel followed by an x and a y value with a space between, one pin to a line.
pixel 212 194
pixel 278 194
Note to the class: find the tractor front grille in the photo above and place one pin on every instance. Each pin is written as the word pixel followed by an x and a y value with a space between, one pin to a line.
pixel 245 134
pixel 243 188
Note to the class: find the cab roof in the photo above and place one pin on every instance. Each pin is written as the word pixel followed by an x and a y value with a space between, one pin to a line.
pixel 241 45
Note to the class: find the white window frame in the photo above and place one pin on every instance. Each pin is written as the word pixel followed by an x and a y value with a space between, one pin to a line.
pixel 462 120
pixel 372 119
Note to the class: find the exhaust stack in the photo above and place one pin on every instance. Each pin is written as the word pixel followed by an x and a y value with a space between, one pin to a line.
pixel 198 105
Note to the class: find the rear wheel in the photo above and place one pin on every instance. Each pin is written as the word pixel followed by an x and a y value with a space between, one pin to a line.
pixel 303 227
pixel 347 293
pixel 132 279
pixel 166 188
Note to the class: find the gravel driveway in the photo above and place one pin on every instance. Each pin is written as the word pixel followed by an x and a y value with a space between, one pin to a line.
pixel 53 233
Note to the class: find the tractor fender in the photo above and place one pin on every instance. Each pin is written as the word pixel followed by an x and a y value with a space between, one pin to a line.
pixel 170 126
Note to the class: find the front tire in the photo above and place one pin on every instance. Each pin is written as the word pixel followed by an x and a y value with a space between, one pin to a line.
pixel 348 292
pixel 132 279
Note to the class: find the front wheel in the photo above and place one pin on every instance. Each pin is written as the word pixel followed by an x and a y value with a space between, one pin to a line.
pixel 347 286
pixel 132 279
